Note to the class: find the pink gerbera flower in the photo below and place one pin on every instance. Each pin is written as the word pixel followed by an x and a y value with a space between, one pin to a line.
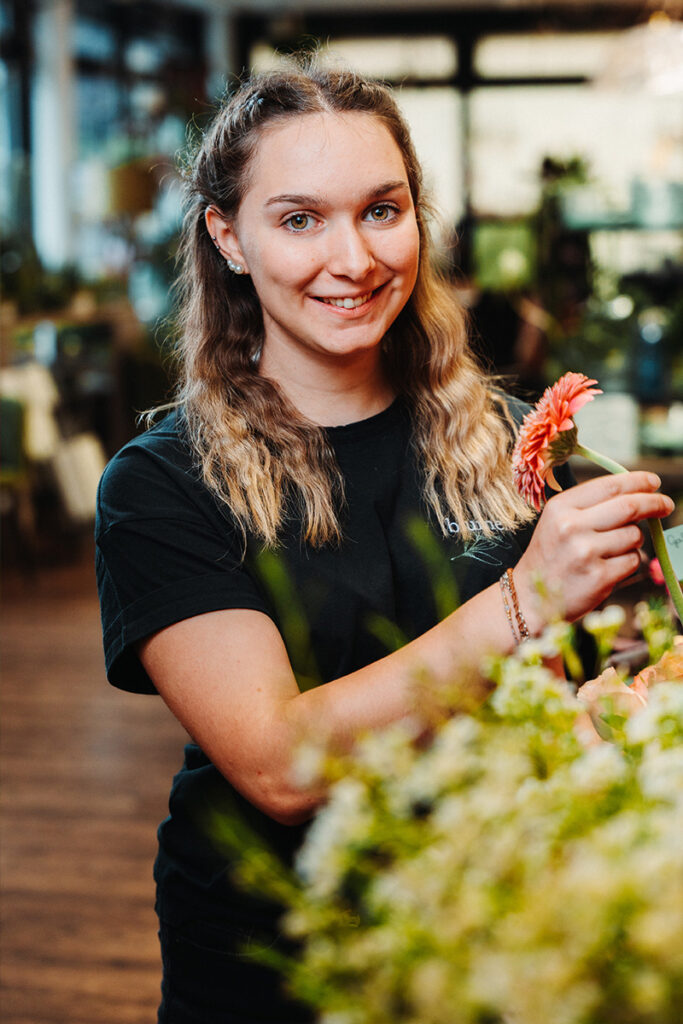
pixel 548 435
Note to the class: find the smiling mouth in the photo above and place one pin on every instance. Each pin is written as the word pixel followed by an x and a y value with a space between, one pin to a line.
pixel 348 303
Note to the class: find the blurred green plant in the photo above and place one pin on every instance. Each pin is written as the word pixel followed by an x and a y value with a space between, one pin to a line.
pixel 27 283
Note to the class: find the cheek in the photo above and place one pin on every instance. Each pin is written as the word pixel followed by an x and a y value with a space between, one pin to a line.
pixel 402 252
pixel 283 266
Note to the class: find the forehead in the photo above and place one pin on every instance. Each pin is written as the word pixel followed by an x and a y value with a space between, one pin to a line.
pixel 320 153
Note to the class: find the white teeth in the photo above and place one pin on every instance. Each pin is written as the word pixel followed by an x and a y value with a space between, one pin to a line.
pixel 349 303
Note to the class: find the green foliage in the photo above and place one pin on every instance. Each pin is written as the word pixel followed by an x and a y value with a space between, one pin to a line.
pixel 28 283
pixel 292 620
pixel 654 621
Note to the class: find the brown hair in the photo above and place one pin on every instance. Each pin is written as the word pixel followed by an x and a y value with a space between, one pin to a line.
pixel 257 453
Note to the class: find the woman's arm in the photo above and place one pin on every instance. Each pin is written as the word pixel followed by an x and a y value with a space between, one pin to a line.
pixel 227 678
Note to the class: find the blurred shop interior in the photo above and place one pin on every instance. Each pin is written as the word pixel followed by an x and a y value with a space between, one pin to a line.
pixel 552 138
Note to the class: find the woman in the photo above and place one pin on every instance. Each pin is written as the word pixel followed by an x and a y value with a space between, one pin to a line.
pixel 250 542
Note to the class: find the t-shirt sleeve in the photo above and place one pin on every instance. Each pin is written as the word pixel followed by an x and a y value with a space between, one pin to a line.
pixel 164 553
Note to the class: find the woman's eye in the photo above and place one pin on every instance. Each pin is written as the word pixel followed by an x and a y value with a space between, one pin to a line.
pixel 299 221
pixel 381 213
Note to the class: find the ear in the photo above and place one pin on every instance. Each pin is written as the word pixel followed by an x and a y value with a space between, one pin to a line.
pixel 224 237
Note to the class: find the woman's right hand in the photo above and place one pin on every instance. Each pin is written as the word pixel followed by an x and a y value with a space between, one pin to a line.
pixel 586 541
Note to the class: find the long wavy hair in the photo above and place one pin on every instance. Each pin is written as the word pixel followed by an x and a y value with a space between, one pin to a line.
pixel 257 454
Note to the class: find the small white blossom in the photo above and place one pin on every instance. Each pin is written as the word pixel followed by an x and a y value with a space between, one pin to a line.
pixel 309 764
pixel 347 815
pixel 549 644
pixel 454 757
pixel 388 751
pixel 662 719
pixel 523 687
pixel 661 773
pixel 610 618
pixel 599 768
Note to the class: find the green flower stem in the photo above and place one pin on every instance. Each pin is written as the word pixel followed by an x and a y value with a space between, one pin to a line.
pixel 656 531
pixel 599 459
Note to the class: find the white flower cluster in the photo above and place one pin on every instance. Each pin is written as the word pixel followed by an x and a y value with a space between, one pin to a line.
pixel 502 872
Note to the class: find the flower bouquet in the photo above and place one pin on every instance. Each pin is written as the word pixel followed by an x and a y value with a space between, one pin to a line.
pixel 515 869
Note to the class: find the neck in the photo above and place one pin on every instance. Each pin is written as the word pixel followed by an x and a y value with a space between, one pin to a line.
pixel 347 392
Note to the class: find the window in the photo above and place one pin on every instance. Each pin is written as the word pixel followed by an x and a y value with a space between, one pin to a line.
pixel 388 58
pixel 543 54
pixel 621 139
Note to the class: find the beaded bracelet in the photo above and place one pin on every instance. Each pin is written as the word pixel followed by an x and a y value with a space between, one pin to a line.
pixel 507 589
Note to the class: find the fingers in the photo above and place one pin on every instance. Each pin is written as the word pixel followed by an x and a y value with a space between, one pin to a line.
pixel 591 532
pixel 616 569
pixel 611 485
pixel 617 542
pixel 606 557
pixel 613 500
pixel 628 508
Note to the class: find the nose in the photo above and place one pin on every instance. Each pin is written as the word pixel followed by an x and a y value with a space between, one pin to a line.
pixel 349 253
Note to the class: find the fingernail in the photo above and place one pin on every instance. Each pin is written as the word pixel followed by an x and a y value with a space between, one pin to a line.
pixel 654 480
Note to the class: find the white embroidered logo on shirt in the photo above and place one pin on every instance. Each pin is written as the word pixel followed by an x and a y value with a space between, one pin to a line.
pixel 481 549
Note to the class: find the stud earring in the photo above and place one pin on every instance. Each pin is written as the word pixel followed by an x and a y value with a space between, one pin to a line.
pixel 236 268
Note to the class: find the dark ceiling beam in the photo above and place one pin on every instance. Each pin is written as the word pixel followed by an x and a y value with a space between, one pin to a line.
pixel 289 30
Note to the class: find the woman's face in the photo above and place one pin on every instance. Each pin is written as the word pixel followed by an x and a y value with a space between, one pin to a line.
pixel 327 230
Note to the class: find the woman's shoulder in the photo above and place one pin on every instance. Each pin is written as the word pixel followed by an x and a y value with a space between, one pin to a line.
pixel 162 430
pixel 150 472
pixel 514 407
pixel 511 408
pixel 164 442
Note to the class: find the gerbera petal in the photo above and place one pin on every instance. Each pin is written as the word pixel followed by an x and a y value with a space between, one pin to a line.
pixel 538 449
pixel 551 481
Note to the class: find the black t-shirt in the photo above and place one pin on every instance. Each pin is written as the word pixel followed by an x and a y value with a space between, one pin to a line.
pixel 166 551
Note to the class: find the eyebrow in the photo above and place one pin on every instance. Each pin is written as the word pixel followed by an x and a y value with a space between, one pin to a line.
pixel 297 199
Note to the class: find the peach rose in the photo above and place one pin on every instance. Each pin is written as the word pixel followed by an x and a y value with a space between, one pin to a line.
pixel 610 695
pixel 668 669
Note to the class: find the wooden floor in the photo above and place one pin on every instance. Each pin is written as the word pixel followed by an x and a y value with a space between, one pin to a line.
pixel 85 772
